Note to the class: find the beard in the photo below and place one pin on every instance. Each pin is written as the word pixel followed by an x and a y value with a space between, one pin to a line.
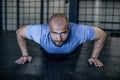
pixel 58 43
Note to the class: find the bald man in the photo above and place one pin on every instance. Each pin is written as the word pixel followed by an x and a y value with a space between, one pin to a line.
pixel 60 37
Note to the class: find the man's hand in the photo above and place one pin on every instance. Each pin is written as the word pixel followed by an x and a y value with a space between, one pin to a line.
pixel 95 61
pixel 24 59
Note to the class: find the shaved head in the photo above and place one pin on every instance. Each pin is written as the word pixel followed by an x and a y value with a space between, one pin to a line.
pixel 59 20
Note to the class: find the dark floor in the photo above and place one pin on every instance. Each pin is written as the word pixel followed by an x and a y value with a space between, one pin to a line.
pixel 47 67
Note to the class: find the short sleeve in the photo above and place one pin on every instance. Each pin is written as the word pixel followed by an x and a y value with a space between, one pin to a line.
pixel 85 33
pixel 91 33
pixel 28 31
pixel 33 32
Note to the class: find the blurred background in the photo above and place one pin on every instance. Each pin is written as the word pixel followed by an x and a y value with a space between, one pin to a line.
pixel 100 13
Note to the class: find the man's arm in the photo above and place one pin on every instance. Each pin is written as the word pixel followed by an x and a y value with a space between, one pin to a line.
pixel 98 45
pixel 21 38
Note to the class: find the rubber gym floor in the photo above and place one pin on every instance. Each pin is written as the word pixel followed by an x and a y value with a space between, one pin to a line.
pixel 58 67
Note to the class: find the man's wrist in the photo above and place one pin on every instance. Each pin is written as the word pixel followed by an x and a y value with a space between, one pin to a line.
pixel 25 55
pixel 94 57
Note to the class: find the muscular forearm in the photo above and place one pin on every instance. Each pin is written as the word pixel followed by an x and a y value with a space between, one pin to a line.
pixel 23 46
pixel 22 43
pixel 98 42
pixel 98 45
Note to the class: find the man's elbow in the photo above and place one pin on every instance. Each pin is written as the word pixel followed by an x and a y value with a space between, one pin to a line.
pixel 100 34
pixel 21 32
pixel 18 32
pixel 103 36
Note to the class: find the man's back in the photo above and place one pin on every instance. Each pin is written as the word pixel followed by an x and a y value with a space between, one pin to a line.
pixel 77 35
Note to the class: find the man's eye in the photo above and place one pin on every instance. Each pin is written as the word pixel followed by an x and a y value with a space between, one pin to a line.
pixel 64 32
pixel 53 32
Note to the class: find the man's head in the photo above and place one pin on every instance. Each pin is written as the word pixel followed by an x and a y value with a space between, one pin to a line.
pixel 59 29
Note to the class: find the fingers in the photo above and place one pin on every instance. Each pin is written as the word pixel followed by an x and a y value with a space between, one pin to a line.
pixel 19 61
pixel 23 60
pixel 96 62
pixel 90 62
pixel 99 64
pixel 29 58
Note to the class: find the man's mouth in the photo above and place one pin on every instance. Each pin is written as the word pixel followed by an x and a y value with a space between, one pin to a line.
pixel 59 43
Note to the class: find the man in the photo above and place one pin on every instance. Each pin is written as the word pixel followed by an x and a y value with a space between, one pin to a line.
pixel 60 37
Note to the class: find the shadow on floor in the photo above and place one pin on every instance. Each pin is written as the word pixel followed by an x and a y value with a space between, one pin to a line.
pixel 58 67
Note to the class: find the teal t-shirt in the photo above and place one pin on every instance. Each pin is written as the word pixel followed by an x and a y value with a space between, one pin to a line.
pixel 79 34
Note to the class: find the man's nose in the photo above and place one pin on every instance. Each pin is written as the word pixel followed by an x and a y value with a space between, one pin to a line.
pixel 59 37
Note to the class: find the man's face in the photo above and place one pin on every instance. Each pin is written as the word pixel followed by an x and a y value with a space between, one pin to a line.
pixel 59 34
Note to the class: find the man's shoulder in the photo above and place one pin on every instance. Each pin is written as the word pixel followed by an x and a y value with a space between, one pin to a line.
pixel 79 29
pixel 40 29
pixel 37 32
pixel 37 27
pixel 76 26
